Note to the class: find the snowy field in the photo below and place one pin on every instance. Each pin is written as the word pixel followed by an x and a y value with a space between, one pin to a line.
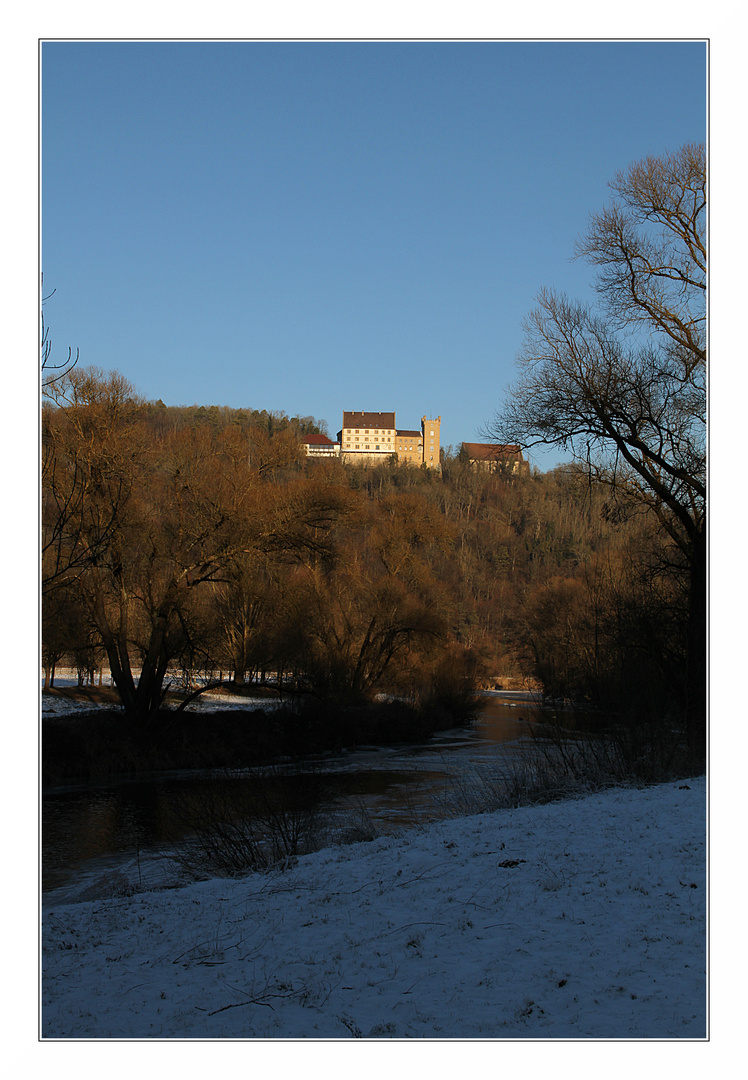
pixel 583 919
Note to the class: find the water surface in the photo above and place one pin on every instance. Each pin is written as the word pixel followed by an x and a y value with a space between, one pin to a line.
pixel 91 828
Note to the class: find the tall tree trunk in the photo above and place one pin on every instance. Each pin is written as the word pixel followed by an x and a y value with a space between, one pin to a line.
pixel 240 667
pixel 149 694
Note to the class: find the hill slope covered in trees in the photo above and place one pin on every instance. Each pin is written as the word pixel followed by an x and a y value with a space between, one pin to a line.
pixel 182 543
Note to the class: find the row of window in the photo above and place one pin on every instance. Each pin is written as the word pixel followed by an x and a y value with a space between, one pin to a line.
pixel 347 440
pixel 383 435
pixel 378 431
pixel 406 446
pixel 375 431
pixel 376 446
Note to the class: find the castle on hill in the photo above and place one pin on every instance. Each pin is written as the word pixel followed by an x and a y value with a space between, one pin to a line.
pixel 372 437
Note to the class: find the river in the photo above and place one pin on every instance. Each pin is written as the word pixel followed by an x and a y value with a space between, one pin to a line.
pixel 91 831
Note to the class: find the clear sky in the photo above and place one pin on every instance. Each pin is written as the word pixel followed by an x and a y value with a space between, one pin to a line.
pixel 324 226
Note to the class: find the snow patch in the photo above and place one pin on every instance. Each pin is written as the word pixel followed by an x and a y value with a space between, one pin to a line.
pixel 578 919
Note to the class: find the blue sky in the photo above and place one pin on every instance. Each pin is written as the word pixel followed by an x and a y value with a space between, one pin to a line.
pixel 317 227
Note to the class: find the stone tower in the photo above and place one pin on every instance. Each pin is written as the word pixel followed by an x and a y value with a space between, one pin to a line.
pixel 431 442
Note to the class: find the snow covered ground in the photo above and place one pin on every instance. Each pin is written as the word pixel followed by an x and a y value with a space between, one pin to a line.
pixel 583 919
pixel 67 679
pixel 63 706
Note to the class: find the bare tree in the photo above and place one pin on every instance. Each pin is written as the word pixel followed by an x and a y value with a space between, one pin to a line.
pixel 88 444
pixel 624 388
pixel 52 372
pixel 140 526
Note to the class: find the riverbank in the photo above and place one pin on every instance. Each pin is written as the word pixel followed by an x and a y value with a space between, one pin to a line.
pixel 581 919
pixel 84 740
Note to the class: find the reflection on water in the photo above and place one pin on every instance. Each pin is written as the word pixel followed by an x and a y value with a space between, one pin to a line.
pixel 391 786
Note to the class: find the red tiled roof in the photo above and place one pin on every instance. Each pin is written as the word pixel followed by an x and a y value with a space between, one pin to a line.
pixel 408 434
pixel 491 451
pixel 318 440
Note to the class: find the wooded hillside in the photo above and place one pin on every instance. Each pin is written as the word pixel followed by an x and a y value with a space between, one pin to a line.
pixel 184 542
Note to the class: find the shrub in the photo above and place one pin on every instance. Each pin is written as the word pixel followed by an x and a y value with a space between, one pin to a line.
pixel 235 823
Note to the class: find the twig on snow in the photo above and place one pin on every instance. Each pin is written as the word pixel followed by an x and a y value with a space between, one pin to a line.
pixel 428 870
pixel 241 1004
pixel 423 922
